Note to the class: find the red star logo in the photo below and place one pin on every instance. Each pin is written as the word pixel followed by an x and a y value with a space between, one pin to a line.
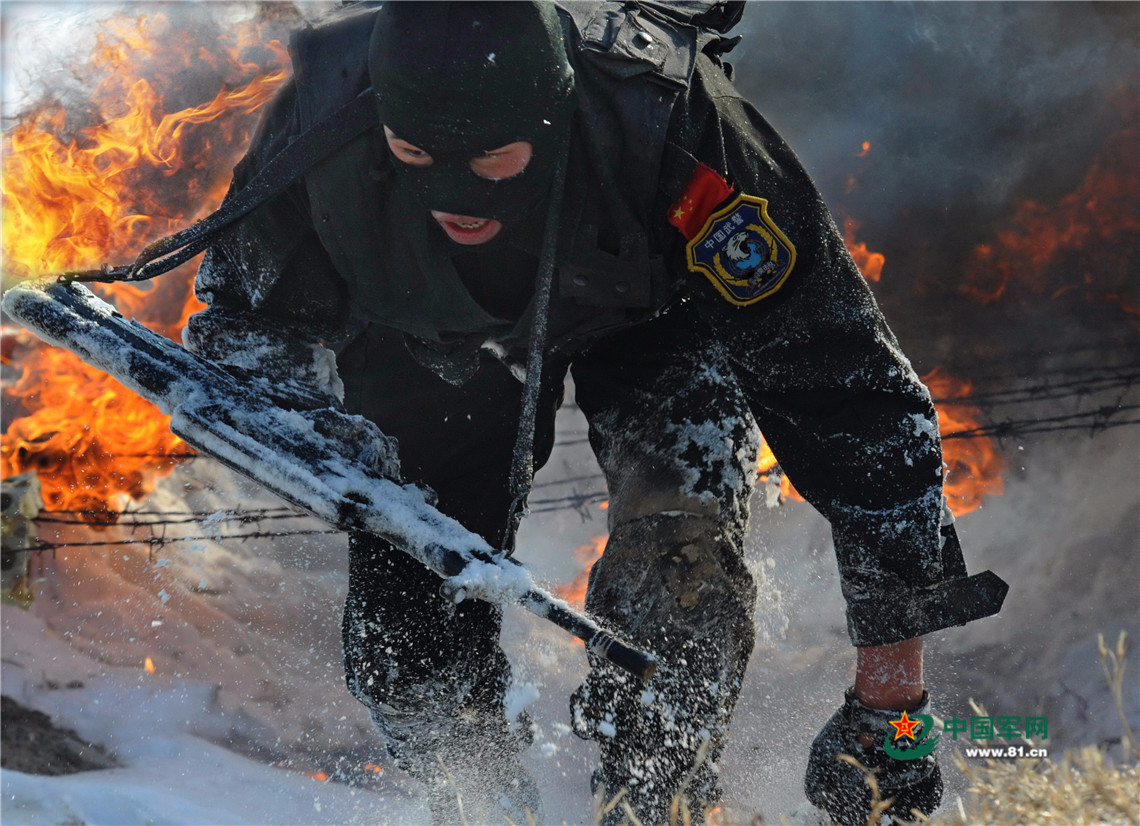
pixel 905 727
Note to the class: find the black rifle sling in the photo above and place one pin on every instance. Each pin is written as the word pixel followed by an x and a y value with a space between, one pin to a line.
pixel 310 147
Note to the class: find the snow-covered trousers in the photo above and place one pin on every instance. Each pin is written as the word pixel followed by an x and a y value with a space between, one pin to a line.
pixel 678 448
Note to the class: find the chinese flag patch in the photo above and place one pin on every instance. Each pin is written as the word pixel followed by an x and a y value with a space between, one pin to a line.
pixel 704 191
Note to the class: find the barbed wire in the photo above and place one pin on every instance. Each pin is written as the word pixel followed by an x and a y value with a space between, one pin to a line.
pixel 133 520
pixel 1094 421
pixel 138 518
pixel 154 542
pixel 1078 383
pixel 1047 391
pixel 157 542
pixel 1074 359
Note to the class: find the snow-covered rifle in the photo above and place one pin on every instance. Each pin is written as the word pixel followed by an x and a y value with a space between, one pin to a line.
pixel 339 467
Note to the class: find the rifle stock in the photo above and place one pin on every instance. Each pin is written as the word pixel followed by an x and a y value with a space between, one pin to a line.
pixel 339 467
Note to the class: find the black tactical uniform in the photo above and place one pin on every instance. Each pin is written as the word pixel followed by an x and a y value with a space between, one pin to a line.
pixel 702 290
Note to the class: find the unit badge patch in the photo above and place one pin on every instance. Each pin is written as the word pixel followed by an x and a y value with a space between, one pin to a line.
pixel 742 252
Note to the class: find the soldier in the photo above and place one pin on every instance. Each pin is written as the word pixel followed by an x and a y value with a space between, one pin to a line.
pixel 540 189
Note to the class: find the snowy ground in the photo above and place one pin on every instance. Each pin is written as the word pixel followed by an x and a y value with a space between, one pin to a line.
pixel 247 702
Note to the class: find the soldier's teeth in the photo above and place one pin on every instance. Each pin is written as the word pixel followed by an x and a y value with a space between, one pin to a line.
pixel 474 225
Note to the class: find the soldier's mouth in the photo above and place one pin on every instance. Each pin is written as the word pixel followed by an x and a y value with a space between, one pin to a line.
pixel 466 229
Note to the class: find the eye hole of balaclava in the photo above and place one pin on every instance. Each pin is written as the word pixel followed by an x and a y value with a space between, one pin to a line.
pixel 459 79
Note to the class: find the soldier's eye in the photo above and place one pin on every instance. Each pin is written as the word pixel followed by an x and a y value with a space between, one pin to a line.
pixel 406 152
pixel 504 162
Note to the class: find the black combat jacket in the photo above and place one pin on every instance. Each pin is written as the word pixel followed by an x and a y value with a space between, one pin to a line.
pixel 840 405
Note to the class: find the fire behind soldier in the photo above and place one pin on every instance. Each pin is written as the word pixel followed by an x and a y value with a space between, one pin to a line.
pixel 698 293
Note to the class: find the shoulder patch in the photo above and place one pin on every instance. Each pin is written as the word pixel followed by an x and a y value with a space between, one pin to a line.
pixel 742 252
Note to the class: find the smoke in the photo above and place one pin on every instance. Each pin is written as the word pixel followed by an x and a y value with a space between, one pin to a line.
pixel 945 129
pixel 962 102
pixel 46 47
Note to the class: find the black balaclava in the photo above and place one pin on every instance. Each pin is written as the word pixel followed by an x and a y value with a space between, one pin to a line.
pixel 457 79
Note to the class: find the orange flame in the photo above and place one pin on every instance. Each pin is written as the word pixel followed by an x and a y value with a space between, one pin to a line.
pixel 766 466
pixel 148 664
pixel 574 591
pixel 869 263
pixel 97 197
pixel 1073 243
pixel 862 153
pixel 974 466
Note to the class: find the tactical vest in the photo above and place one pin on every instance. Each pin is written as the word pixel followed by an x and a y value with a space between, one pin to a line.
pixel 630 62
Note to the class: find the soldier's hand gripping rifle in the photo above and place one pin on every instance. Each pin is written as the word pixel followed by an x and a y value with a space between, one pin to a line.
pixel 341 468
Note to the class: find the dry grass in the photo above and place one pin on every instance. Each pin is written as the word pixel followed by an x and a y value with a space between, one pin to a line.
pixel 1083 788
